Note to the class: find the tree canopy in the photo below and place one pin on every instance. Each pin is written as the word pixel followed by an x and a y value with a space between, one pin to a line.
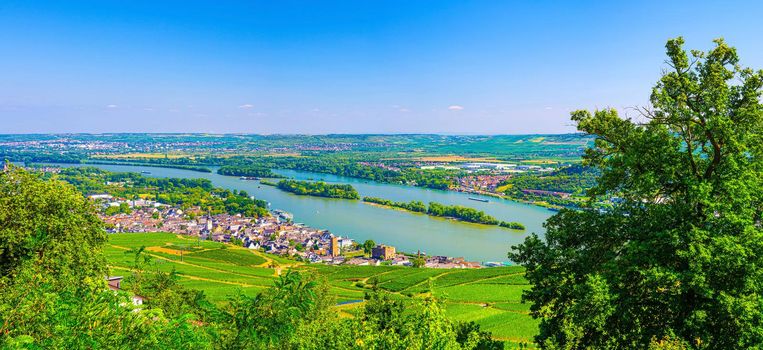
pixel 368 246
pixel 318 189
pixel 678 258
pixel 49 228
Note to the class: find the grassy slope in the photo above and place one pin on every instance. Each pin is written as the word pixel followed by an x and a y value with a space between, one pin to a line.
pixel 490 297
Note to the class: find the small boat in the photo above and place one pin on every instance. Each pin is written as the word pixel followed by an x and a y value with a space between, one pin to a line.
pixel 249 178
pixel 479 199
pixel 283 215
pixel 145 172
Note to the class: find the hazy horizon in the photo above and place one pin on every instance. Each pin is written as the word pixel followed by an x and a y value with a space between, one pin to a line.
pixel 342 67
pixel 286 134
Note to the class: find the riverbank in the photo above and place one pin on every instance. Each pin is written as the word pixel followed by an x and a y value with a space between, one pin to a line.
pixel 545 205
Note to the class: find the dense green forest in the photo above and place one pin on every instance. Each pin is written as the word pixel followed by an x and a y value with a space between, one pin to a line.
pixel 52 270
pixel 512 225
pixel 42 156
pixel 469 215
pixel 201 169
pixel 415 206
pixel 452 211
pixel 461 213
pixel 184 193
pixel 318 189
pixel 246 170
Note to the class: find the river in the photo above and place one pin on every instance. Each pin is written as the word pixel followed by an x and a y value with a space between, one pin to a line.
pixel 406 231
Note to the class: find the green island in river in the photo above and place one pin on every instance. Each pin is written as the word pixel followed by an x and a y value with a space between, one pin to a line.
pixel 456 212
pixel 318 189
pixel 246 170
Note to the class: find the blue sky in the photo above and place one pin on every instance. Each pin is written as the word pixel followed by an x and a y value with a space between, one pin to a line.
pixel 342 66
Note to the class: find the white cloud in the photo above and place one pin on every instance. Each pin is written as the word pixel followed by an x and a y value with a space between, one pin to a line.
pixel 400 108
pixel 548 108
pixel 455 108
pixel 111 106
pixel 246 106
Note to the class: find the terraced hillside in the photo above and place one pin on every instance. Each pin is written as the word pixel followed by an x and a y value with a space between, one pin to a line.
pixel 490 297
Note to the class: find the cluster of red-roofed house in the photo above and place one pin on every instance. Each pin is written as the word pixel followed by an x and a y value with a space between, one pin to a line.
pixel 275 234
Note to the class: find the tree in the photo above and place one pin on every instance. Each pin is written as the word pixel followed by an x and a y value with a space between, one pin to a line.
pixel 678 256
pixel 271 318
pixel 418 261
pixel 470 333
pixel 368 245
pixel 50 228
pixel 236 241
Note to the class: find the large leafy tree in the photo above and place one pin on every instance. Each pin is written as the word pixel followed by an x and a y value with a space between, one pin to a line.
pixel 49 228
pixel 678 260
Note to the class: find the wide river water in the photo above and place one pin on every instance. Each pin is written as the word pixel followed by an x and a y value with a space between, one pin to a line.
pixel 406 231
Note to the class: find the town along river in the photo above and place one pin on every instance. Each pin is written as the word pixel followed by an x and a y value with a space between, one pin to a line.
pixel 408 232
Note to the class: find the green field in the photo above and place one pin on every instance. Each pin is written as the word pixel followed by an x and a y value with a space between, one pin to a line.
pixel 490 297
